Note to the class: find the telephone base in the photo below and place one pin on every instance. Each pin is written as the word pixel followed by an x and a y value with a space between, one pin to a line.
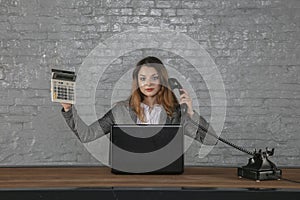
pixel 259 175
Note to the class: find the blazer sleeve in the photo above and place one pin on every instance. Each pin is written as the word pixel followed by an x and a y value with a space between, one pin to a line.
pixel 84 132
pixel 205 137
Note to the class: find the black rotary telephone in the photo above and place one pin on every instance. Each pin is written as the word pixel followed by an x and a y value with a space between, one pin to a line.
pixel 259 167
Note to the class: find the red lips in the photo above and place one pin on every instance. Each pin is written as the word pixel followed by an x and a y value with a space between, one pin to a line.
pixel 149 89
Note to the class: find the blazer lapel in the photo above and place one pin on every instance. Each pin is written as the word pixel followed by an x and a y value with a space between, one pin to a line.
pixel 132 115
pixel 163 118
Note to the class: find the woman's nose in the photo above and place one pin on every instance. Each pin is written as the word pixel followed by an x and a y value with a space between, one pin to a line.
pixel 148 81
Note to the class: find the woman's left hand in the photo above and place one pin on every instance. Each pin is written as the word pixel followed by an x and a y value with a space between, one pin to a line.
pixel 185 98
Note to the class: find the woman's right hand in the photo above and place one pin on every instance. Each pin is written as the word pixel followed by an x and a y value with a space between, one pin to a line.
pixel 66 106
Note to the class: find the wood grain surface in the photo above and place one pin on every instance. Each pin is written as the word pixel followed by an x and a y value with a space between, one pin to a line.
pixel 193 177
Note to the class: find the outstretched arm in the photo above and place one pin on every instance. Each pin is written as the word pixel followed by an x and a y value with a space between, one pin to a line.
pixel 84 132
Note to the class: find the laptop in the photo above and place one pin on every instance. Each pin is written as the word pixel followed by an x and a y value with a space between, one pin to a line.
pixel 147 149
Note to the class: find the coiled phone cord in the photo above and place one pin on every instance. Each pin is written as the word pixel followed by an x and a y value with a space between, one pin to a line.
pixel 221 139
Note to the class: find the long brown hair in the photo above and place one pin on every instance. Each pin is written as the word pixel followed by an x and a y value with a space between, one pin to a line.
pixel 165 96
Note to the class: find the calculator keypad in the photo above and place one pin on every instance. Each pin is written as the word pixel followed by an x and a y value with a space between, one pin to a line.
pixel 63 91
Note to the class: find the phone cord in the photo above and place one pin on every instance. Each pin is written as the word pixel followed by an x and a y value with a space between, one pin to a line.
pixel 221 139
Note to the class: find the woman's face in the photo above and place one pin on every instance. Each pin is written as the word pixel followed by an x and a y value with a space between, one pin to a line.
pixel 149 81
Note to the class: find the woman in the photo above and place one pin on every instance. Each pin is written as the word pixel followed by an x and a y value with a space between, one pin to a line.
pixel 151 102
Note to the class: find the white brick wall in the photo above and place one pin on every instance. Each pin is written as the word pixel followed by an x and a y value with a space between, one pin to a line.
pixel 255 45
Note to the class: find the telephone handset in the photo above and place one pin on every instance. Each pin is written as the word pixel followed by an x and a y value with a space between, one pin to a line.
pixel 174 84
pixel 259 167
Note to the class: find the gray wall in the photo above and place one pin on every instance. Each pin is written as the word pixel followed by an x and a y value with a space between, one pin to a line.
pixel 255 45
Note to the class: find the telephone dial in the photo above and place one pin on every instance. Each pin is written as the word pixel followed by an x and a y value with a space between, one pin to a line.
pixel 259 167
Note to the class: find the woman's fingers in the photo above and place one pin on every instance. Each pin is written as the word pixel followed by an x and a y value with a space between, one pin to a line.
pixel 183 91
pixel 66 106
pixel 184 95
pixel 185 98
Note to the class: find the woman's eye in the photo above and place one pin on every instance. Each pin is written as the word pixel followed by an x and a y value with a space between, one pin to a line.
pixel 142 79
pixel 155 78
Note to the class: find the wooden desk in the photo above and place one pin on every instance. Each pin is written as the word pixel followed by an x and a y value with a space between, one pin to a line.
pixel 14 180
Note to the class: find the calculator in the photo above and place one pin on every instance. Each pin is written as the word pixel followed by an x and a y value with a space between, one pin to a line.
pixel 63 86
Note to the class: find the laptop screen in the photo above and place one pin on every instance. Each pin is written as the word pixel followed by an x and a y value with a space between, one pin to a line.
pixel 155 149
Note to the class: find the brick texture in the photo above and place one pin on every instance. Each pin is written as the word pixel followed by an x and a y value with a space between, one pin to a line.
pixel 255 45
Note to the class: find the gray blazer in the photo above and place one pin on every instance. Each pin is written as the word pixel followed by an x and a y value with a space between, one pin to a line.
pixel 121 113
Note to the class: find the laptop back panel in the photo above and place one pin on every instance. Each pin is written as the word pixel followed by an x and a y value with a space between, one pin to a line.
pixel 147 149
